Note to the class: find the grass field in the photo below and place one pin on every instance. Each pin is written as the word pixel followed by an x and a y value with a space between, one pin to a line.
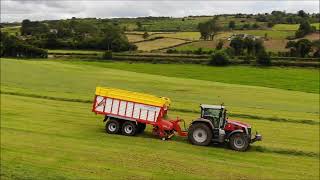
pixel 182 35
pixel 12 30
pixel 74 51
pixel 291 27
pixel 158 44
pixel 59 139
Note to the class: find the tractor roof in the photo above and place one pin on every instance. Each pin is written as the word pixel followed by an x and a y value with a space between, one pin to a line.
pixel 206 106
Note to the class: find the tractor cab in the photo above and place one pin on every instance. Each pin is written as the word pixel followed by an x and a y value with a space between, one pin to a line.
pixel 215 113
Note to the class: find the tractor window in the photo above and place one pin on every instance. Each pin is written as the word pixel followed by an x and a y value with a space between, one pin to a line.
pixel 213 115
pixel 211 112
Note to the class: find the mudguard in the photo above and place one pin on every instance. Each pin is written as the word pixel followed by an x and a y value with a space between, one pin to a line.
pixel 203 120
pixel 233 132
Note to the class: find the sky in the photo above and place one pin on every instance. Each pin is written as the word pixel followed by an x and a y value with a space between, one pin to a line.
pixel 17 10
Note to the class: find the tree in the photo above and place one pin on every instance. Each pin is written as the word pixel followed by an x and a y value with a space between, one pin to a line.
pixel 209 29
pixel 249 45
pixel 220 44
pixel 246 26
pixel 114 39
pixel 316 46
pixel 11 46
pixel 304 29
pixel 219 58
pixel 145 35
pixel 232 24
pixel 139 24
pixel 300 48
pixel 302 14
pixel 237 44
pixel 263 58
pixel 25 29
pixel 255 26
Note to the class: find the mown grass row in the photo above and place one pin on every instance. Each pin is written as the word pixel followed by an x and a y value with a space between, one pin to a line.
pixel 252 149
pixel 274 119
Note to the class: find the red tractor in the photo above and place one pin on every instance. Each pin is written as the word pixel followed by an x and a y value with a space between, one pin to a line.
pixel 213 125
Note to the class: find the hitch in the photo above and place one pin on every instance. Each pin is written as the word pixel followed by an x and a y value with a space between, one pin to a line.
pixel 257 137
pixel 177 128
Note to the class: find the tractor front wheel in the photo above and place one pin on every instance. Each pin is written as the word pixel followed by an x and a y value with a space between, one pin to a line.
pixel 200 134
pixel 239 142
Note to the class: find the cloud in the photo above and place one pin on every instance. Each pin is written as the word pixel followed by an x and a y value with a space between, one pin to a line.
pixel 17 10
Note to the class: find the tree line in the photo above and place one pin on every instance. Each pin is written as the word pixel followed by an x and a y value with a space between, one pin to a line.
pixel 11 46
pixel 75 34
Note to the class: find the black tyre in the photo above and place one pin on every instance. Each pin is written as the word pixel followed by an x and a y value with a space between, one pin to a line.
pixel 129 128
pixel 141 127
pixel 238 142
pixel 112 126
pixel 200 134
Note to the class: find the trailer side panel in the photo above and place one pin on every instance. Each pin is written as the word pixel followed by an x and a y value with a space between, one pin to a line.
pixel 126 109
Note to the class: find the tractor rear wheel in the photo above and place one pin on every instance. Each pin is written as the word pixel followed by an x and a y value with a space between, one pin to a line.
pixel 239 142
pixel 113 126
pixel 200 134
pixel 141 127
pixel 129 128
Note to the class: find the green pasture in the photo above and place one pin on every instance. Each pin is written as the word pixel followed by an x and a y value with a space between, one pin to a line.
pixel 158 44
pixel 12 30
pixel 291 27
pixel 181 35
pixel 297 79
pixel 59 139
pixel 273 34
pixel 74 51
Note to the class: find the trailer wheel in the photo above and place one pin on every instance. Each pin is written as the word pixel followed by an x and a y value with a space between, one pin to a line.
pixel 129 128
pixel 238 142
pixel 112 126
pixel 141 127
pixel 199 134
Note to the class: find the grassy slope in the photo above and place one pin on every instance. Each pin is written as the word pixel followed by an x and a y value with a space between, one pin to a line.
pixel 186 93
pixel 298 79
pixel 73 145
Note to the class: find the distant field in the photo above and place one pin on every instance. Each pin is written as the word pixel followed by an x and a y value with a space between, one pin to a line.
pixel 270 33
pixel 11 30
pixel 134 37
pixel 291 27
pixel 59 139
pixel 74 51
pixel 183 35
pixel 158 43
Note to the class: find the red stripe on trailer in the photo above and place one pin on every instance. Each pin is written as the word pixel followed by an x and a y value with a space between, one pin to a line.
pixel 139 113
pixel 134 104
pixel 104 104
pixel 147 115
pixel 94 103
pixel 125 110
pixel 119 106
pixel 111 106
pixel 155 115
